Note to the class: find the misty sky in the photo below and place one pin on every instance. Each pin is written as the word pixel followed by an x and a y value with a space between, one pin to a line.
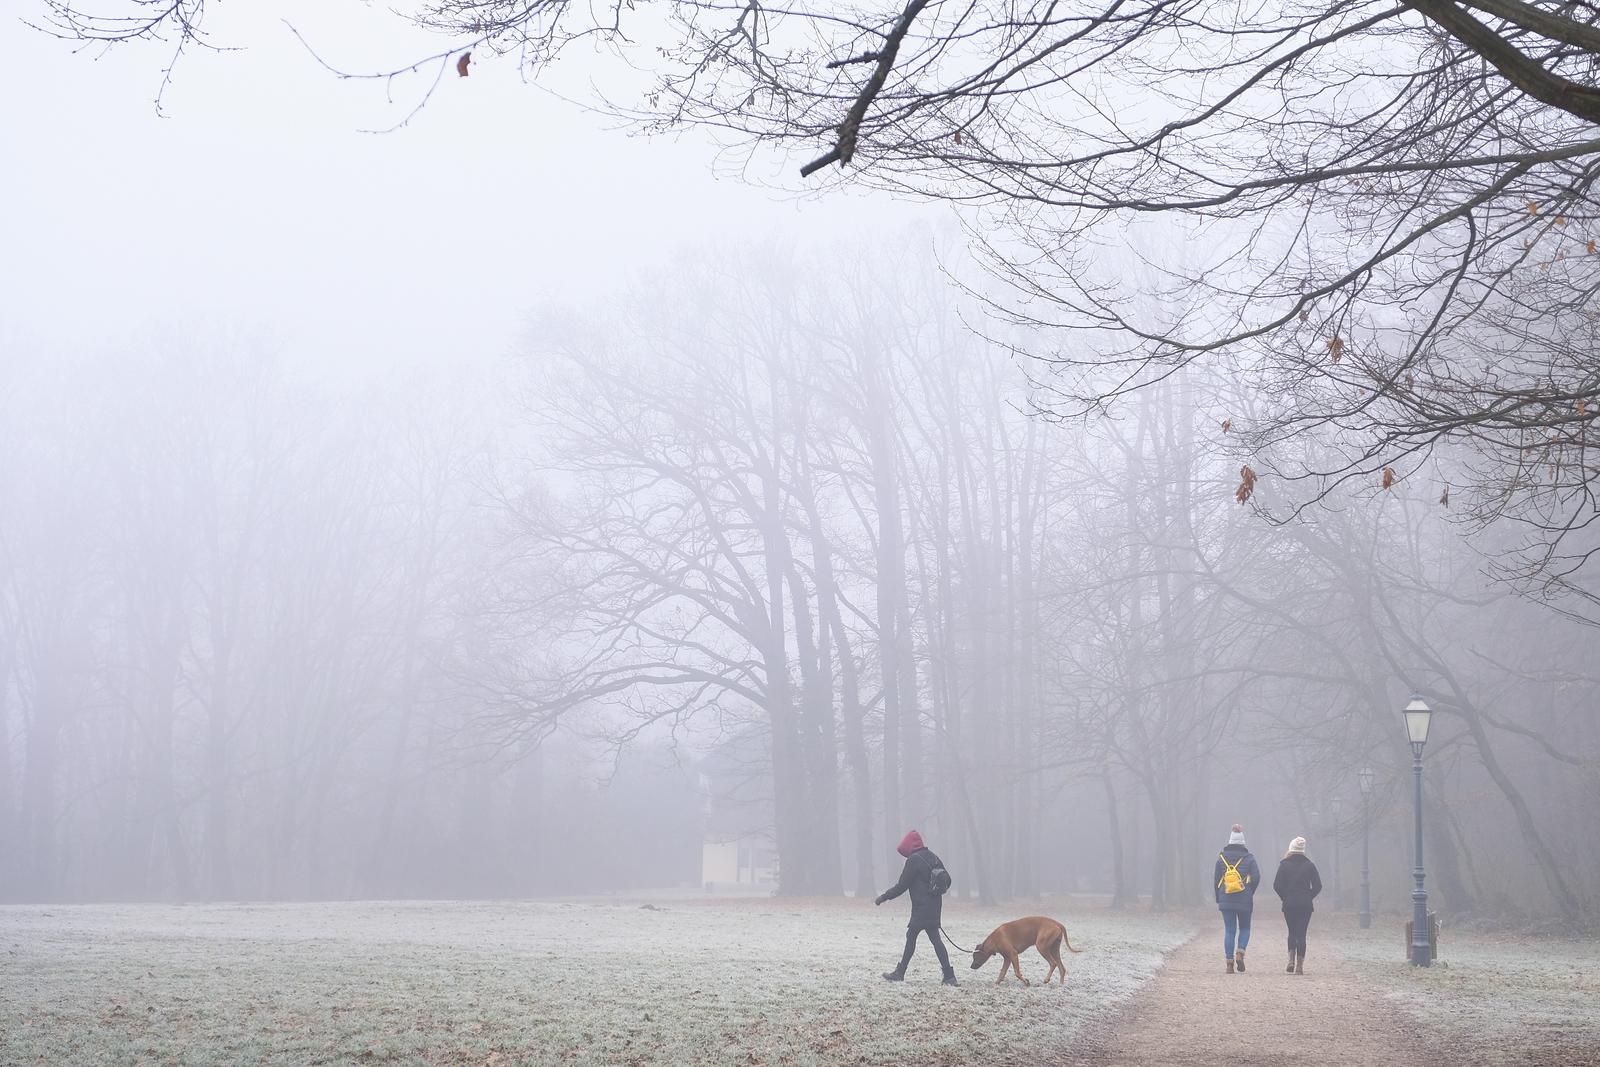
pixel 778 527
pixel 258 203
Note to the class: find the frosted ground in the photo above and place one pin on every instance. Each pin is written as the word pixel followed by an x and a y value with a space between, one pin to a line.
pixel 1500 998
pixel 670 982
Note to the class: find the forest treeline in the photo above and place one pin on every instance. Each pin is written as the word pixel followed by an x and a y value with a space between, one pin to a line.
pixel 266 637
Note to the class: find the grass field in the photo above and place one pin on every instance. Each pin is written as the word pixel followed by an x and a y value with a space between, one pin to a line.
pixel 1510 999
pixel 689 982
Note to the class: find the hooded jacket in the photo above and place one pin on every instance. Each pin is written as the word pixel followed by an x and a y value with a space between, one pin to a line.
pixel 1297 882
pixel 915 878
pixel 1248 870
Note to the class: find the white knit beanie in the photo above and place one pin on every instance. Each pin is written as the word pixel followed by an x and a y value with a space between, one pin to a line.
pixel 1298 845
pixel 1237 836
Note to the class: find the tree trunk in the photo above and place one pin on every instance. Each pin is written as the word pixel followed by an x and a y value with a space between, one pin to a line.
pixel 1560 892
pixel 855 745
pixel 40 879
pixel 1119 884
pixel 789 792
pixel 898 726
pixel 818 746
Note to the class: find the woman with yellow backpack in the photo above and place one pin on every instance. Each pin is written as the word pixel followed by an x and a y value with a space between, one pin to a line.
pixel 1237 877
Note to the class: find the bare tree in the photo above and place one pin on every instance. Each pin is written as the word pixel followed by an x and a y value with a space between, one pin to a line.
pixel 1389 206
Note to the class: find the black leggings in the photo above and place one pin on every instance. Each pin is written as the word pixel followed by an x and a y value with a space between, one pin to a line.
pixel 1298 919
pixel 938 946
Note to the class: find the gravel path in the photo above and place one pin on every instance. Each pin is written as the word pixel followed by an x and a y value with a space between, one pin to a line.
pixel 1195 1014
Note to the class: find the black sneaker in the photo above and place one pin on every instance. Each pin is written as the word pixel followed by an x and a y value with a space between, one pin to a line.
pixel 893 976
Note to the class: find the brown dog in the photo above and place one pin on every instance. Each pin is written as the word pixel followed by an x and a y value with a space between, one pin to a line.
pixel 1008 939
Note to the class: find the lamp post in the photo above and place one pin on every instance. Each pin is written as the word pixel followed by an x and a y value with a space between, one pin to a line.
pixel 1365 777
pixel 1338 832
pixel 1417 716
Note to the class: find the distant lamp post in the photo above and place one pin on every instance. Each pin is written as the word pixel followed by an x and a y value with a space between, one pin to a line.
pixel 1338 831
pixel 1418 715
pixel 1366 776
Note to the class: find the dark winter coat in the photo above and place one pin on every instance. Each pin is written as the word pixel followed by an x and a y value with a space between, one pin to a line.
pixel 916 879
pixel 1297 882
pixel 1248 870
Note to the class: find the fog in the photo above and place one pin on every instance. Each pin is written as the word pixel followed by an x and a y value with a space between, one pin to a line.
pixel 508 506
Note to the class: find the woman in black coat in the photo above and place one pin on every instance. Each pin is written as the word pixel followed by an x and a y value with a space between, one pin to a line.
pixel 1297 885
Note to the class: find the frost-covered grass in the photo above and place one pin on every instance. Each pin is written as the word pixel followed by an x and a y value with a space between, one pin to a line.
pixel 1514 1000
pixel 673 982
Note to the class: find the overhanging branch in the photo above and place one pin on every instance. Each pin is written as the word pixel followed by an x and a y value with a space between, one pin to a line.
pixel 845 147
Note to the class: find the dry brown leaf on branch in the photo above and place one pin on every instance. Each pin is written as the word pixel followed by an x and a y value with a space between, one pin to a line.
pixel 958 137
pixel 1247 484
pixel 1582 406
pixel 1444 497
pixel 1227 424
pixel 1305 315
pixel 1388 477
pixel 1533 209
pixel 1336 346
pixel 1591 247
pixel 463 63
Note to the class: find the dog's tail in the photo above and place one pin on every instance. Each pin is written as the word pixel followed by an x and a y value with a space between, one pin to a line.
pixel 1066 941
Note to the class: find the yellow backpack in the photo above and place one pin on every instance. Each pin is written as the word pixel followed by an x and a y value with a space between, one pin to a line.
pixel 1231 881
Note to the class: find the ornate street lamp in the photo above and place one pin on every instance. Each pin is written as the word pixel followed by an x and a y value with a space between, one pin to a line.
pixel 1366 776
pixel 1418 716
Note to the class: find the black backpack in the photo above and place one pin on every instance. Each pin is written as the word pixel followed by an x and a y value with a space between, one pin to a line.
pixel 939 879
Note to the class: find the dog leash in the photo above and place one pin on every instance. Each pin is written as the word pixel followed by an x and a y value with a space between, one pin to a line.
pixel 952 941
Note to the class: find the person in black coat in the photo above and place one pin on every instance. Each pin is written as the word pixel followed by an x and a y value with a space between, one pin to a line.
pixel 1297 884
pixel 927 904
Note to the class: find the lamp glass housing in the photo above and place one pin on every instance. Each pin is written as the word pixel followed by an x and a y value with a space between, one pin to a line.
pixel 1418 716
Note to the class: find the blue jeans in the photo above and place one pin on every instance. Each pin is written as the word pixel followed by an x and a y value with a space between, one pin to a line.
pixel 1235 921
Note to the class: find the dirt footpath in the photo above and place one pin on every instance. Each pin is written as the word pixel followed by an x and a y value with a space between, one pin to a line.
pixel 1194 1014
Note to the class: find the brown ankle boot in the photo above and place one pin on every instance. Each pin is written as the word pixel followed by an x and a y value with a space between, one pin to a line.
pixel 1299 963
pixel 1290 969
pixel 1230 966
pixel 1239 959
